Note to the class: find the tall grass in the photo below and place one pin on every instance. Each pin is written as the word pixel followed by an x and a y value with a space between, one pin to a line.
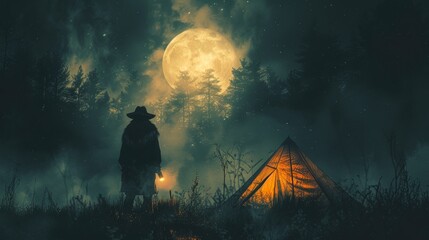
pixel 398 211
pixel 386 213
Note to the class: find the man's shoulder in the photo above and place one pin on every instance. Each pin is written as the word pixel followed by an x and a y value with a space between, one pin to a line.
pixel 141 128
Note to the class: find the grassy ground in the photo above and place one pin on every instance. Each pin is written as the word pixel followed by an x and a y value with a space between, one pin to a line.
pixel 384 214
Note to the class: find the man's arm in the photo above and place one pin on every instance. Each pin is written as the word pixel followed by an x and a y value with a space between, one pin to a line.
pixel 157 153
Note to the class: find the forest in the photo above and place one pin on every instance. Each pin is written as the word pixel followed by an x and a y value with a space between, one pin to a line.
pixel 356 102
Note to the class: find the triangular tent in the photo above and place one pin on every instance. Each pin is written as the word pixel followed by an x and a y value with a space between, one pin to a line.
pixel 287 174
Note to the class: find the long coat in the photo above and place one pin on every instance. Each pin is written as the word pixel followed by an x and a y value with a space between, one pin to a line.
pixel 140 157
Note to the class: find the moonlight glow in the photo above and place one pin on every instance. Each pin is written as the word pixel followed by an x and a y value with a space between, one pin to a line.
pixel 196 50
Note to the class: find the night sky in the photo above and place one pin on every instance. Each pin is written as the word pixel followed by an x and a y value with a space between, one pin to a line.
pixel 362 70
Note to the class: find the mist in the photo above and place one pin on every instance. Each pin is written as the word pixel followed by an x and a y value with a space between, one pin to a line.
pixel 338 88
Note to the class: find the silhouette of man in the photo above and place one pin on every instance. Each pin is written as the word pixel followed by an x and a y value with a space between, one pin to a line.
pixel 140 158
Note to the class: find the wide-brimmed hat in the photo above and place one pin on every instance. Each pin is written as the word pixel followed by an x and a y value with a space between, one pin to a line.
pixel 140 112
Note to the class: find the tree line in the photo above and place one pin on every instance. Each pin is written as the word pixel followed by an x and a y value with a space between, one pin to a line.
pixel 44 107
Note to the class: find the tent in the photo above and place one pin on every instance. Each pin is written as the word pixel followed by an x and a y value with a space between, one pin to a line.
pixel 287 174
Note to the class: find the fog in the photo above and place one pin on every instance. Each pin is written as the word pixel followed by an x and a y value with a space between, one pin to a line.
pixel 358 89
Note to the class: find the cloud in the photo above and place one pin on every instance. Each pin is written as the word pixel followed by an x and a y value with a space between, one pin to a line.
pixel 201 17
pixel 174 138
pixel 74 62
pixel 190 15
pixel 173 141
pixel 158 88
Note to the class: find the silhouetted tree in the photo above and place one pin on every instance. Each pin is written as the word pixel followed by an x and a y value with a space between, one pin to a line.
pixel 277 87
pixel 182 99
pixel 159 109
pixel 90 89
pixel 248 93
pixel 76 88
pixel 50 82
pixel 209 91
pixel 321 60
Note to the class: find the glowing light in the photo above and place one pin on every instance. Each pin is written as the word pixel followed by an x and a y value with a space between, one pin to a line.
pixel 196 50
pixel 278 180
pixel 167 181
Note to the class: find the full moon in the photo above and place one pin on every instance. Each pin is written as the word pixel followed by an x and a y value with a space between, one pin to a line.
pixel 196 50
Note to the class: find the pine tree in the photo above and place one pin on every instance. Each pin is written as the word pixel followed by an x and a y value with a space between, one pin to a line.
pixel 50 82
pixel 91 90
pixel 248 92
pixel 182 98
pixel 321 60
pixel 77 83
pixel 209 91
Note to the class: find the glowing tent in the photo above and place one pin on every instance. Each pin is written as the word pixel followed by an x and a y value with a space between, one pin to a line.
pixel 287 174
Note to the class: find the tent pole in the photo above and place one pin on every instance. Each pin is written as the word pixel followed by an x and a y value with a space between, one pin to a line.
pixel 291 174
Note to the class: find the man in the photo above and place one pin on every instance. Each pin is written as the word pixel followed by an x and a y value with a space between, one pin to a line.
pixel 140 158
